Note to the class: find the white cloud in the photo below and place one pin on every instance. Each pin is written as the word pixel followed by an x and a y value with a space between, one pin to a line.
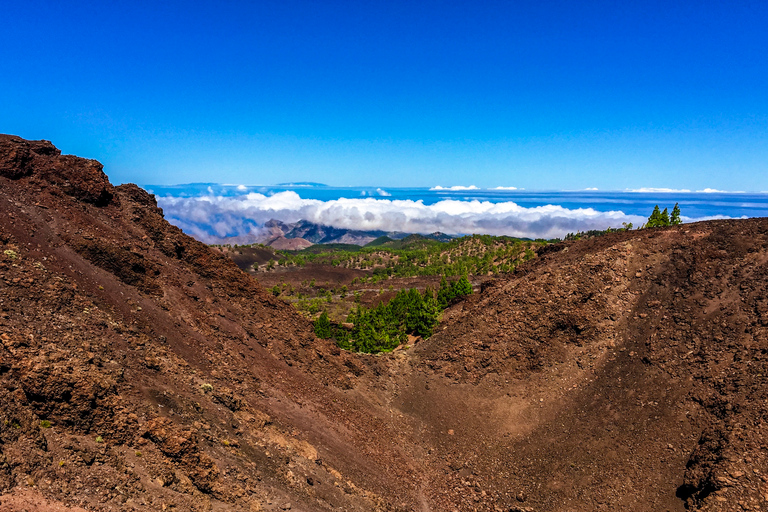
pixel 715 191
pixel 659 190
pixel 455 188
pixel 504 188
pixel 591 188
pixel 242 188
pixel 211 218
pixel 383 193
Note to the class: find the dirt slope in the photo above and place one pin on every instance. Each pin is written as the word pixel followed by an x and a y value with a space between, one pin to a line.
pixel 140 370
pixel 627 372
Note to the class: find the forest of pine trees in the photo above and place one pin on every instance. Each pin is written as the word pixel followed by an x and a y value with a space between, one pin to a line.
pixel 387 325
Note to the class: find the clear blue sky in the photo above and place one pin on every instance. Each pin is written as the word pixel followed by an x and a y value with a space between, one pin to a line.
pixel 541 95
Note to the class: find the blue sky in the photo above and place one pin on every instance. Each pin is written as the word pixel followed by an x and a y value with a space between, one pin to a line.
pixel 541 95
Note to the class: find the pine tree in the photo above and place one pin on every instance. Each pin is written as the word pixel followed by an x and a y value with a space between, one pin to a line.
pixel 462 287
pixel 675 218
pixel 426 315
pixel 655 220
pixel 444 294
pixel 665 218
pixel 323 326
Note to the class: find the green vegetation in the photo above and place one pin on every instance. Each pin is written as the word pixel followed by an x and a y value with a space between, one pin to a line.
pixel 592 233
pixel 662 218
pixel 45 424
pixel 675 220
pixel 387 325
pixel 323 327
pixel 658 218
pixel 416 255
pixel 325 248
pixel 380 241
pixel 450 291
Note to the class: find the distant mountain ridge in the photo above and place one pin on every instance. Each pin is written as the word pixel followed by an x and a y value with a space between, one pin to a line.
pixel 302 234
pixel 301 184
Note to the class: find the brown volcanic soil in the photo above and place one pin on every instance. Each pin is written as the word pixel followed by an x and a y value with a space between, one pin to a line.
pixel 626 372
pixel 140 370
pixel 245 256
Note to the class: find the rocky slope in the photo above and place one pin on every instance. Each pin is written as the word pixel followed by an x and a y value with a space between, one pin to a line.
pixel 627 372
pixel 140 370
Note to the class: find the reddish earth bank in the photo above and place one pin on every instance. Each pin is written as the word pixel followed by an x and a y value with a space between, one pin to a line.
pixel 140 370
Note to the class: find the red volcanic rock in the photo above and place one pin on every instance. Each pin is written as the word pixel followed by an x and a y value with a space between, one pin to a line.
pixel 80 178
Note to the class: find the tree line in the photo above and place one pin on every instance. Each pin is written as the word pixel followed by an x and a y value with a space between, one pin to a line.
pixel 386 326
pixel 657 219
pixel 663 218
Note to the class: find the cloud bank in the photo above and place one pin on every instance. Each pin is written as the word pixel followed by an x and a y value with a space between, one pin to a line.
pixel 214 218
pixel 652 190
pixel 455 188
pixel 716 191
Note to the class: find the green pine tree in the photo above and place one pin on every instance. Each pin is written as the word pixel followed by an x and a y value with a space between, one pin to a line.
pixel 462 287
pixel 323 326
pixel 654 221
pixel 444 294
pixel 426 315
pixel 675 218
pixel 665 218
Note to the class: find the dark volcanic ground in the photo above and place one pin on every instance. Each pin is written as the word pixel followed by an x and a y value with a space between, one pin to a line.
pixel 140 370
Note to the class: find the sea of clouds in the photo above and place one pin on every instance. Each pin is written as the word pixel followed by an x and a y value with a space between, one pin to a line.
pixel 213 218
